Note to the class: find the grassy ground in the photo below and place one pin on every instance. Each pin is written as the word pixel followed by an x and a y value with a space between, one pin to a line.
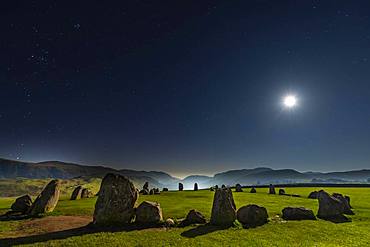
pixel 176 204
pixel 21 186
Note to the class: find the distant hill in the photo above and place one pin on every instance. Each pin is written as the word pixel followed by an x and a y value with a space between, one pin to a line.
pixel 10 169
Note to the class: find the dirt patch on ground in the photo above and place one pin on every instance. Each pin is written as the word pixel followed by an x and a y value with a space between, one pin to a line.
pixel 51 224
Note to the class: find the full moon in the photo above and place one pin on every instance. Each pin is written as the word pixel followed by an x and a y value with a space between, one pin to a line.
pixel 290 101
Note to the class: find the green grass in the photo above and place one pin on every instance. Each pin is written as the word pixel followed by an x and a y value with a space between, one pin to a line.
pixel 177 204
pixel 22 186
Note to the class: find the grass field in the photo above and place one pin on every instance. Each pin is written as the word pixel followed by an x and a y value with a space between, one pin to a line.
pixel 176 204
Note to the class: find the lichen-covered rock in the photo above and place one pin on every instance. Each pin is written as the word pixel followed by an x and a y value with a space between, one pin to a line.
pixel 298 213
pixel 194 217
pixel 76 194
pixel 252 215
pixel 195 187
pixel 86 193
pixel 47 200
pixel 223 209
pixel 330 208
pixel 253 190
pixel 22 204
pixel 272 189
pixel 347 207
pixel 148 213
pixel 181 187
pixel 238 188
pixel 116 201
pixel 313 195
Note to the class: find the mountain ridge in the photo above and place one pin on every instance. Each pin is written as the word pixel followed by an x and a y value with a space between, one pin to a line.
pixel 259 175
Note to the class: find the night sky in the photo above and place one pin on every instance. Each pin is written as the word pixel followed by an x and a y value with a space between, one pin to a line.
pixel 187 87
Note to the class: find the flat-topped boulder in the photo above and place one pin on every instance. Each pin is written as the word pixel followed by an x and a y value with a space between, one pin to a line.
pixel 223 209
pixel 148 213
pixel 22 204
pixel 298 213
pixel 252 215
pixel 116 201
pixel 47 200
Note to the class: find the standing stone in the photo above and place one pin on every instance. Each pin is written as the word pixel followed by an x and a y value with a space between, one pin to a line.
pixel 195 187
pixel 165 189
pixel 47 200
pixel 146 186
pixel 86 193
pixel 330 208
pixel 253 190
pixel 116 201
pixel 76 194
pixel 22 204
pixel 223 186
pixel 211 189
pixel 347 208
pixel 149 213
pixel 223 209
pixel 252 215
pixel 145 190
pixel 300 213
pixel 156 191
pixel 194 217
pixel 281 192
pixel 313 195
pixel 238 188
pixel 152 192
pixel 181 187
pixel 272 189
pixel 216 187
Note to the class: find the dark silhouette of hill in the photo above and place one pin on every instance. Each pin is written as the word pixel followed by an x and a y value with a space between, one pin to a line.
pixel 262 175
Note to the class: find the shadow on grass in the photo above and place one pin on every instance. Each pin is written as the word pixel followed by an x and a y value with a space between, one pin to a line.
pixel 202 230
pixel 88 229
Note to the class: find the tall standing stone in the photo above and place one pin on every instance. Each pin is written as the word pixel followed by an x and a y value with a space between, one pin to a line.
pixel 181 187
pixel 76 194
pixel 116 201
pixel 146 186
pixel 195 187
pixel 238 188
pixel 272 189
pixel 47 200
pixel 223 209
